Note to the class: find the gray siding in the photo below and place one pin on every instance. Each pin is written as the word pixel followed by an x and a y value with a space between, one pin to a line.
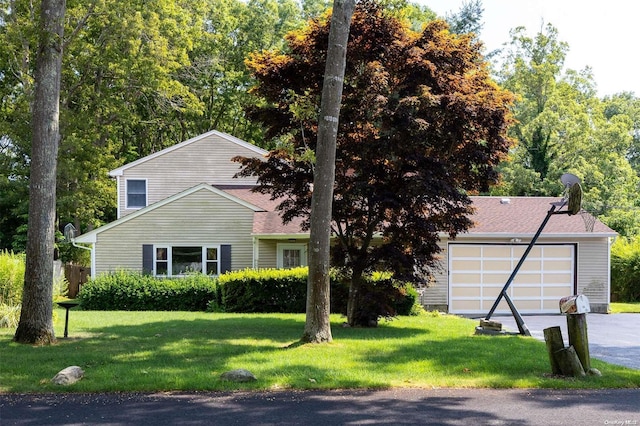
pixel 207 160
pixel 436 294
pixel 267 253
pixel 200 218
pixel 593 271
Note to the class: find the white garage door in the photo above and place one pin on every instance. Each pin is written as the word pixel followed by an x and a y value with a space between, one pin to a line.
pixel 477 273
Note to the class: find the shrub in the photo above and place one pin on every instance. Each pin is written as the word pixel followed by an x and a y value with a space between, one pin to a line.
pixel 382 297
pixel 133 291
pixel 11 278
pixel 625 269
pixel 264 290
pixel 12 268
pixel 9 316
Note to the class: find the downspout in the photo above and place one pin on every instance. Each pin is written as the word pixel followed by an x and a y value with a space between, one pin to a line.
pixel 256 252
pixel 93 260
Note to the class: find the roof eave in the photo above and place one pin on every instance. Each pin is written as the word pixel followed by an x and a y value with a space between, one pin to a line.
pixel 509 235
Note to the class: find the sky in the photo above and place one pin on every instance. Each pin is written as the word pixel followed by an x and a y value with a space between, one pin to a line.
pixel 602 35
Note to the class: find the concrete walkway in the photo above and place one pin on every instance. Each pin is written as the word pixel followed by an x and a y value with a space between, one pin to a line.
pixel 614 338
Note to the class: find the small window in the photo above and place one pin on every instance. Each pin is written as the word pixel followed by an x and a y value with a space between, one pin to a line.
pixel 292 255
pixel 136 193
pixel 291 258
pixel 211 261
pixel 162 261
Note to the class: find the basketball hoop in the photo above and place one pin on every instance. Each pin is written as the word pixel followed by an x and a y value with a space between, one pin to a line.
pixel 572 198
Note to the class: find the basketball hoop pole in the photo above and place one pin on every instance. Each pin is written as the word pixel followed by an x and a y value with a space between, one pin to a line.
pixel 519 321
pixel 573 202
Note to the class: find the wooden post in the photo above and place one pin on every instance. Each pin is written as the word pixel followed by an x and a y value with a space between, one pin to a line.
pixel 569 362
pixel 577 328
pixel 553 339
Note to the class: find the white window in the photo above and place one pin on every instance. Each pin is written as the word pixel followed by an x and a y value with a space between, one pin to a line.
pixel 174 261
pixel 291 255
pixel 136 193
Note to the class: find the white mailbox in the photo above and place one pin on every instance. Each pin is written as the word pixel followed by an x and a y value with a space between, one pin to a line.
pixel 578 304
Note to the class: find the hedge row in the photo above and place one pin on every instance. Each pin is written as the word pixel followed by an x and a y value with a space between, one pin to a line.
pixel 132 291
pixel 625 269
pixel 250 290
pixel 264 290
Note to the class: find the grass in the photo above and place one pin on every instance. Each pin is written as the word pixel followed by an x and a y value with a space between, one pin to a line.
pixel 188 351
pixel 628 308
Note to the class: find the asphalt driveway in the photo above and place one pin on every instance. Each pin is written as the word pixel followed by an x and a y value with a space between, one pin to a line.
pixel 614 338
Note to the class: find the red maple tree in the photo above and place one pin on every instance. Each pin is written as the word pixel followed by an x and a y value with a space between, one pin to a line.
pixel 422 126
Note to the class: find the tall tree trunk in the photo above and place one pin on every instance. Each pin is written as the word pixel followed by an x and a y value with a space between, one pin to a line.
pixel 318 327
pixel 355 295
pixel 36 324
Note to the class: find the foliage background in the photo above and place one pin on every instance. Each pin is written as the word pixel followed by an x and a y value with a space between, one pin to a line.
pixel 140 76
pixel 625 270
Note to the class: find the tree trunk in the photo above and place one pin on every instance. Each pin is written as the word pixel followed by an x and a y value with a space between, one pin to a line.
pixel 569 362
pixel 318 327
pixel 355 290
pixel 553 339
pixel 36 324
pixel 578 338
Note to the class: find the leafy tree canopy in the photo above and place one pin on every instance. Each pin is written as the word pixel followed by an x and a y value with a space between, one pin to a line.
pixel 422 125
pixel 563 127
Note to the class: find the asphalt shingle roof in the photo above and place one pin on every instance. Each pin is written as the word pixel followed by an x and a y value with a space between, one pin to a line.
pixel 493 215
pixel 524 215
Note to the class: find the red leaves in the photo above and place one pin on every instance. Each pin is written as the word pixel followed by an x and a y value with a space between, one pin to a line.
pixel 421 123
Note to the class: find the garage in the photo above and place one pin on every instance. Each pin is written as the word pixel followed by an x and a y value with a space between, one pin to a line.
pixel 478 272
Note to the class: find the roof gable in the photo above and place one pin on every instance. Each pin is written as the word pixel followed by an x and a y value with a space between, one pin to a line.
pixel 120 170
pixel 90 237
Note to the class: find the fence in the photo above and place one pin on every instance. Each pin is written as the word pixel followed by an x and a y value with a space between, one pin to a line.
pixel 76 275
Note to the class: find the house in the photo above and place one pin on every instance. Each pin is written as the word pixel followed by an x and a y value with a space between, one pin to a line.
pixel 182 210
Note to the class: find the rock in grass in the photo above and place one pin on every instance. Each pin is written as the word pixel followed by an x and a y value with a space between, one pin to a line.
pixel 238 375
pixel 68 376
pixel 594 372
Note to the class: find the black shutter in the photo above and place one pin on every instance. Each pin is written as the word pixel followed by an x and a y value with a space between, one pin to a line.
pixel 225 258
pixel 147 259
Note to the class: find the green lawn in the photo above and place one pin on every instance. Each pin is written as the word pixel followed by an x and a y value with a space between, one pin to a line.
pixel 629 308
pixel 162 351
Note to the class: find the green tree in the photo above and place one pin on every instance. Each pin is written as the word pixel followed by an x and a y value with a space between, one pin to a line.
pixel 120 99
pixel 468 19
pixel 627 104
pixel 563 127
pixel 218 75
pixel 422 124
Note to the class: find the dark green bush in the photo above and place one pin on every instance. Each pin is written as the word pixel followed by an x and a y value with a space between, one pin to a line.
pixel 264 290
pixel 132 291
pixel 381 297
pixel 625 270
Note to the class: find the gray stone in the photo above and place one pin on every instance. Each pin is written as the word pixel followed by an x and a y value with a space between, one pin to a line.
pixel 238 375
pixel 594 372
pixel 68 376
